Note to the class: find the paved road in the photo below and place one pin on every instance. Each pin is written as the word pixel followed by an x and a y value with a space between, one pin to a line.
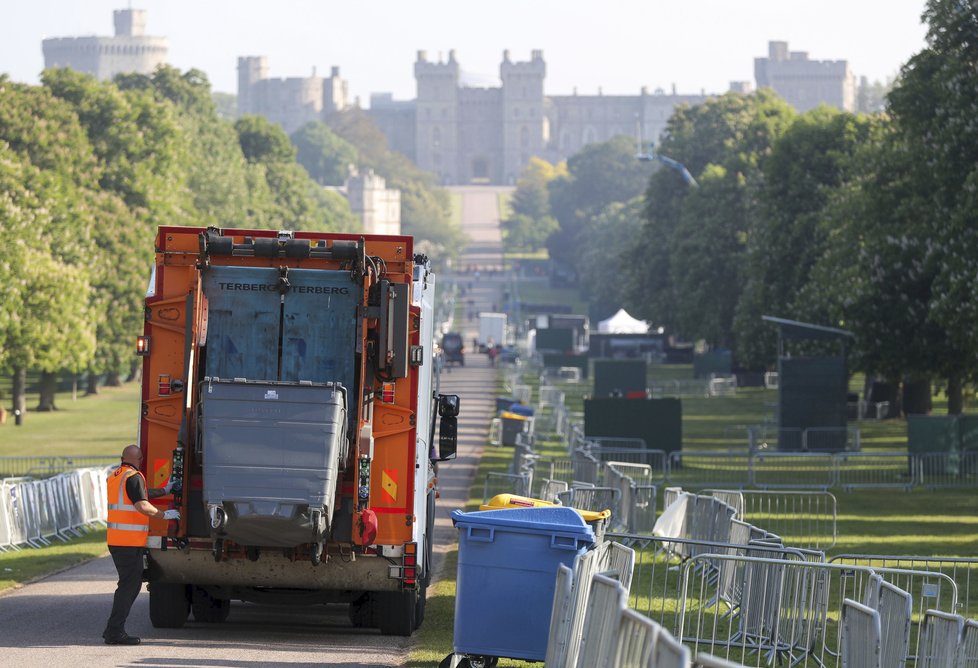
pixel 58 621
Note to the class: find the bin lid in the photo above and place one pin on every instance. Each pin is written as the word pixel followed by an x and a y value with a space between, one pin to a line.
pixel 509 501
pixel 520 409
pixel 507 415
pixel 558 518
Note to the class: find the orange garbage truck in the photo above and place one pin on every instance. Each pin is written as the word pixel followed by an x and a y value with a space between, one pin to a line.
pixel 288 392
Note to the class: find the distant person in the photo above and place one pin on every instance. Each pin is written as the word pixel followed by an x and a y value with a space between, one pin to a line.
pixel 492 352
pixel 128 528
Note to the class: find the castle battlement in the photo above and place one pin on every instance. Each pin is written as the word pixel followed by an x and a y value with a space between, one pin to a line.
pixel 129 51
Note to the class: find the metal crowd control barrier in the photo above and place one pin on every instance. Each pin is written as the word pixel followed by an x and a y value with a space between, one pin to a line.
pixel 864 470
pixel 709 468
pixel 895 607
pixel 606 602
pixel 783 609
pixel 596 499
pixel 505 483
pixel 963 571
pixel 801 518
pixel 44 466
pixel 785 470
pixel 861 636
pixel 940 640
pixel 727 469
pixel 35 512
pixel 946 469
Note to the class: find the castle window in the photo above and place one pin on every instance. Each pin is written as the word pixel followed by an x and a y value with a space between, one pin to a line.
pixel 524 137
pixel 436 137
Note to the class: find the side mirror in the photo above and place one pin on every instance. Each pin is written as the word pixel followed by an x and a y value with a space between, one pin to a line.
pixel 447 438
pixel 448 405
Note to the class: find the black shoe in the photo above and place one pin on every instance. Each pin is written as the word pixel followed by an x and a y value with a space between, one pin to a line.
pixel 121 640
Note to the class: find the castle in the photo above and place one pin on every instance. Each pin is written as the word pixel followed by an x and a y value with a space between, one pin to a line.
pixel 805 83
pixel 461 133
pixel 465 134
pixel 130 50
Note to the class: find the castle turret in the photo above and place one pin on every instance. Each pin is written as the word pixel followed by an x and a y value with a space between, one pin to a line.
pixel 130 50
pixel 251 70
pixel 523 113
pixel 436 122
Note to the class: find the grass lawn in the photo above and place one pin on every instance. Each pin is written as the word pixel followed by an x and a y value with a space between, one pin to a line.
pixel 97 425
pixel 24 565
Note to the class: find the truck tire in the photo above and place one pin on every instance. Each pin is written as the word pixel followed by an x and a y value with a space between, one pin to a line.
pixel 396 611
pixel 208 609
pixel 169 605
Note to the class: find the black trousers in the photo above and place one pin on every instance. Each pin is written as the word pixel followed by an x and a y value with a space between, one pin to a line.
pixel 129 563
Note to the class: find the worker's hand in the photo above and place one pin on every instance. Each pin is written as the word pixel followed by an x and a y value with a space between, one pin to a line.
pixel 173 514
pixel 168 487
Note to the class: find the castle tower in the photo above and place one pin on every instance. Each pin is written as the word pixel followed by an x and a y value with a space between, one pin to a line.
pixel 523 112
pixel 129 22
pixel 130 50
pixel 436 123
pixel 251 70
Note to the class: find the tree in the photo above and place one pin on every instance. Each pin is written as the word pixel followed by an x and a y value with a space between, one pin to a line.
pixel 788 233
pixel 530 223
pixel 603 247
pixel 694 239
pixel 598 175
pixel 908 252
pixel 263 141
pixel 326 156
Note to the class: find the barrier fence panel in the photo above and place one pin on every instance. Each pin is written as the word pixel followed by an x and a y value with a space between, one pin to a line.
pixel 637 636
pixel 938 470
pixel 860 635
pixel 860 470
pixel 802 518
pixel 561 617
pixel 709 469
pixel 504 483
pixel 963 571
pixel 33 512
pixel 783 470
pixel 927 590
pixel 600 632
pixel 895 608
pixel 784 609
pixel 939 640
pixel 607 450
pixel 968 648
pixel 40 467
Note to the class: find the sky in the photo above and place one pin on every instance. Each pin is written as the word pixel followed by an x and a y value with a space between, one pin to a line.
pixel 615 45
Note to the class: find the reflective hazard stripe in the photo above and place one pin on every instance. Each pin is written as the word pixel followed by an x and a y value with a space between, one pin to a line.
pixel 127 527
pixel 121 506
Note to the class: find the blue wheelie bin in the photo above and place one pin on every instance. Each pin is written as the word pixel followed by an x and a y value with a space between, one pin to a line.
pixel 507 565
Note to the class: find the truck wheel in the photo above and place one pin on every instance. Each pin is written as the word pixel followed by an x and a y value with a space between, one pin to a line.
pixel 362 612
pixel 169 605
pixel 208 609
pixel 396 611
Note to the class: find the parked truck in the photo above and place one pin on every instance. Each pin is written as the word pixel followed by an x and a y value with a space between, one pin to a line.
pixel 287 391
pixel 492 327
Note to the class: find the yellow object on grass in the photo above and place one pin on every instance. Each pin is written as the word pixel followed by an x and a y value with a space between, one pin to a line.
pixel 503 501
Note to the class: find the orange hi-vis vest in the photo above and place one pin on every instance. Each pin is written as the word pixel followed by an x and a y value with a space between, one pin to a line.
pixel 126 525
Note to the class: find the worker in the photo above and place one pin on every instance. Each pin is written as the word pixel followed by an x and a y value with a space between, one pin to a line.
pixel 128 528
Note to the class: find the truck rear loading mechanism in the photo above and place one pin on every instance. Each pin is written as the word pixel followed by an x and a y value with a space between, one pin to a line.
pixel 288 391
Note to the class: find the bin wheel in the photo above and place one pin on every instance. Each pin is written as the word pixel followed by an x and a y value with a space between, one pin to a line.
pixel 207 608
pixel 169 605
pixel 218 549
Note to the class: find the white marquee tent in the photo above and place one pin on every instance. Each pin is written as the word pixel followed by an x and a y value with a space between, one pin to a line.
pixel 622 323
